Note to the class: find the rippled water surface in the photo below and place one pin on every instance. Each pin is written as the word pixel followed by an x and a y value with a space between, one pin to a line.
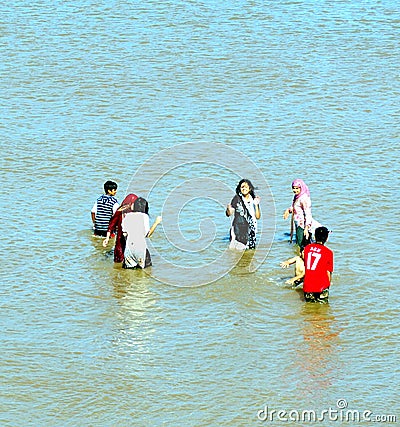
pixel 177 101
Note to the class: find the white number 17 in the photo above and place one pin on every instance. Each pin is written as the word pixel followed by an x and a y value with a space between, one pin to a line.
pixel 316 256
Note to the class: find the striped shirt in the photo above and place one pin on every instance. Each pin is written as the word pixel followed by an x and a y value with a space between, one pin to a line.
pixel 104 209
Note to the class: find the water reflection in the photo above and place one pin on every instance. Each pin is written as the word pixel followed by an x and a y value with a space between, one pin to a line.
pixel 317 355
pixel 242 262
pixel 87 100
pixel 133 315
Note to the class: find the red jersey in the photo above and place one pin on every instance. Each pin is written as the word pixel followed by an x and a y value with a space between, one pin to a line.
pixel 318 260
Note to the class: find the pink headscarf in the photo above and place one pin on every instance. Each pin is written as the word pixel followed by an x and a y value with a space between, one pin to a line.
pixel 303 188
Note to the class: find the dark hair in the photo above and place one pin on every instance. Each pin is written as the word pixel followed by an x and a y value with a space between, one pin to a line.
pixel 321 234
pixel 251 186
pixel 305 242
pixel 141 205
pixel 109 186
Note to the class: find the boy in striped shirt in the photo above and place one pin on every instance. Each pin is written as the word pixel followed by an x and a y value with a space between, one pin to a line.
pixel 104 208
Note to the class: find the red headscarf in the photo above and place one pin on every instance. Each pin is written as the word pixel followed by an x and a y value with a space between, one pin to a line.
pixel 127 203
pixel 115 225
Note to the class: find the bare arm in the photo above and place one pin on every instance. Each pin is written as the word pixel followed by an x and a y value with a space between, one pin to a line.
pixel 229 210
pixel 107 239
pixel 287 212
pixel 93 216
pixel 154 226
pixel 295 278
pixel 299 269
pixel 306 206
pixel 257 207
pixel 290 261
pixel 113 226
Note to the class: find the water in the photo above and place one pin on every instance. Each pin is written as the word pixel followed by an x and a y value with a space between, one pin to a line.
pixel 91 92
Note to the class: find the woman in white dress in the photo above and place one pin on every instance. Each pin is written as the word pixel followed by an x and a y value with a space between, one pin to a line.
pixel 136 228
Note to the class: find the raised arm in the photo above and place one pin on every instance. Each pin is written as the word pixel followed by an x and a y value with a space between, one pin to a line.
pixel 257 207
pixel 154 226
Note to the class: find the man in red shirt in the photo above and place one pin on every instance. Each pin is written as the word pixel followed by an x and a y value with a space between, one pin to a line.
pixel 318 260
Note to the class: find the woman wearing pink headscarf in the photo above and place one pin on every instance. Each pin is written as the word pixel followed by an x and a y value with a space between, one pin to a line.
pixel 115 226
pixel 301 213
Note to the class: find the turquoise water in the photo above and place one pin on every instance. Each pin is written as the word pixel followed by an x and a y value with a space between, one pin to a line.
pixel 177 101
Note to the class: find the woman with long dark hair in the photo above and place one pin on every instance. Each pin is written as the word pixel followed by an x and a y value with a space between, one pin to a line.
pixel 245 206
pixel 136 228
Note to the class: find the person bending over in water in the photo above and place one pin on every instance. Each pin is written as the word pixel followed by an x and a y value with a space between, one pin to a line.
pixel 299 269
